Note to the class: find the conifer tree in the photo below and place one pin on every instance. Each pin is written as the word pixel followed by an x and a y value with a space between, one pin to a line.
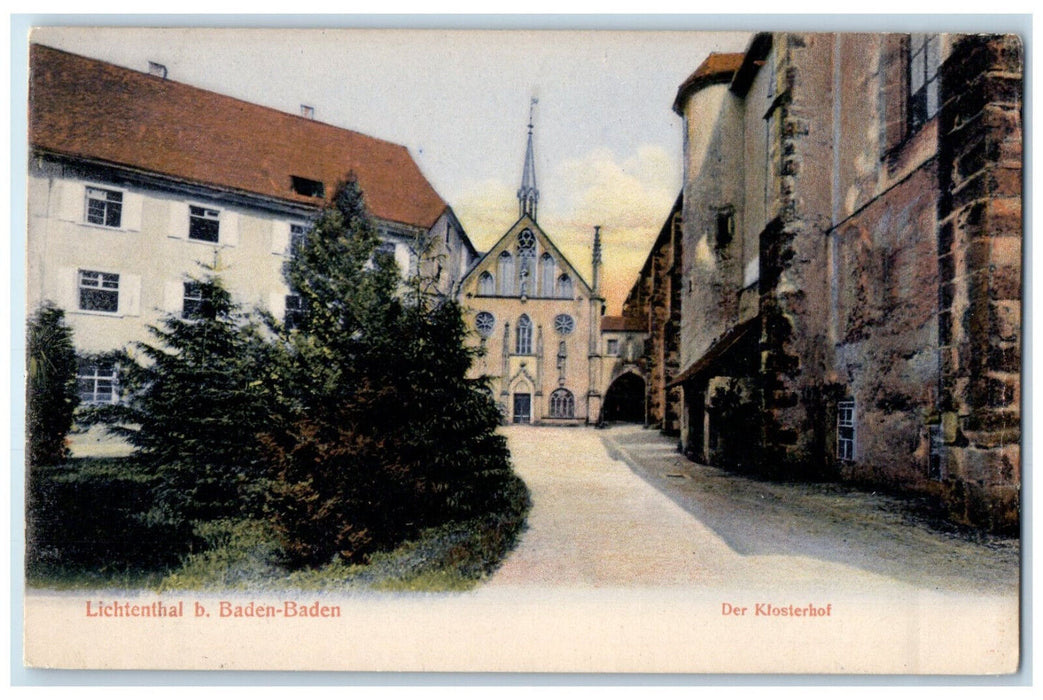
pixel 51 396
pixel 382 434
pixel 193 407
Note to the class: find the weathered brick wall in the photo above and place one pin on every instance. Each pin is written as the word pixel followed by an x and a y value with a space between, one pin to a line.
pixel 979 254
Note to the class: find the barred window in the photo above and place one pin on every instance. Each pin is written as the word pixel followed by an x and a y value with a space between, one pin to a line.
pixel 97 382
pixel 204 224
pixel 104 207
pixel 294 314
pixel 846 431
pixel 99 291
pixel 297 237
pixel 193 300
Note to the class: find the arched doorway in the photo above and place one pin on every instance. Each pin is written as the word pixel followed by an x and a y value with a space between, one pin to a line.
pixel 625 399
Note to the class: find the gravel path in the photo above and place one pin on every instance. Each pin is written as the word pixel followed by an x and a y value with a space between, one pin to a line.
pixel 596 522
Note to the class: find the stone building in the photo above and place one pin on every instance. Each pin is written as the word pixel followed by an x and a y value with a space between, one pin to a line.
pixel 136 179
pixel 654 303
pixel 537 321
pixel 852 263
pixel 625 369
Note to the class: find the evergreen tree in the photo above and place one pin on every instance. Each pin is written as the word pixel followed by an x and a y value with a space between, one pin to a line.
pixel 382 433
pixel 51 396
pixel 193 407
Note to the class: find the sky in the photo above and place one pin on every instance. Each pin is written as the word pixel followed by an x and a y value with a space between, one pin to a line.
pixel 607 143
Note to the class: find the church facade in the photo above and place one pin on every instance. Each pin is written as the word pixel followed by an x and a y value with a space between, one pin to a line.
pixel 537 321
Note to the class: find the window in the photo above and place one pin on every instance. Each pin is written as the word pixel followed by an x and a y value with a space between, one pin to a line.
pixel 547 275
pixel 523 336
pixel 99 291
pixel 294 313
pixel 563 289
pixel 97 382
pixel 386 249
pixel 564 324
pixel 612 346
pixel 484 323
pixel 306 187
pixel 505 271
pixel 924 59
pixel 486 284
pixel 104 207
pixel 193 300
pixel 846 431
pixel 562 404
pixel 523 408
pixel 725 227
pixel 298 234
pixel 204 224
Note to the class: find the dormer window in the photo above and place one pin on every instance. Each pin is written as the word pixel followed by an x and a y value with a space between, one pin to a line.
pixel 308 188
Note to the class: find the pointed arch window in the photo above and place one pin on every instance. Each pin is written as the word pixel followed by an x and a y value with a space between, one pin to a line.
pixel 562 404
pixel 505 271
pixel 563 288
pixel 547 272
pixel 486 284
pixel 523 336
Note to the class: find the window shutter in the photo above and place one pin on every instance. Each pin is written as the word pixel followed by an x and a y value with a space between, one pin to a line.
pixel 177 226
pixel 72 201
pixel 131 220
pixel 130 295
pixel 174 296
pixel 229 231
pixel 277 305
pixel 893 76
pixel 280 238
pixel 66 294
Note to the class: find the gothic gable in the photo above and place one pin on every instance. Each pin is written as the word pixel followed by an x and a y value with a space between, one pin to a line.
pixel 525 262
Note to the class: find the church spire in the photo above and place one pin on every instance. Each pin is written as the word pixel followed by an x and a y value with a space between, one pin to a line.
pixel 528 195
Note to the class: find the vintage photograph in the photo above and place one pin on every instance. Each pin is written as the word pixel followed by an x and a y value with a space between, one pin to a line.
pixel 546 351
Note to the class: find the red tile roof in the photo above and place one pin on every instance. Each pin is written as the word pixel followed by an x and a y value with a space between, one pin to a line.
pixel 89 109
pixel 717 68
pixel 623 323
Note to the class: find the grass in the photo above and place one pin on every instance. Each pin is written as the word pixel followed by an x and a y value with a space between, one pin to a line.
pixel 119 544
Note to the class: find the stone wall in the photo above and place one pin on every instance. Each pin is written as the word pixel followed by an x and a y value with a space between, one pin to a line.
pixel 979 259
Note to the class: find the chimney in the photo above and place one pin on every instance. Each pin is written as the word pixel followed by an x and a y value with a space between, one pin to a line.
pixel 157 69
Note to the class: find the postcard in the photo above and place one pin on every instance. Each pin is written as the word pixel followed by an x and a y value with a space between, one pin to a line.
pixel 524 351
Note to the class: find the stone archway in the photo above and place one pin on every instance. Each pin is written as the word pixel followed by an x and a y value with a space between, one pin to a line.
pixel 625 399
